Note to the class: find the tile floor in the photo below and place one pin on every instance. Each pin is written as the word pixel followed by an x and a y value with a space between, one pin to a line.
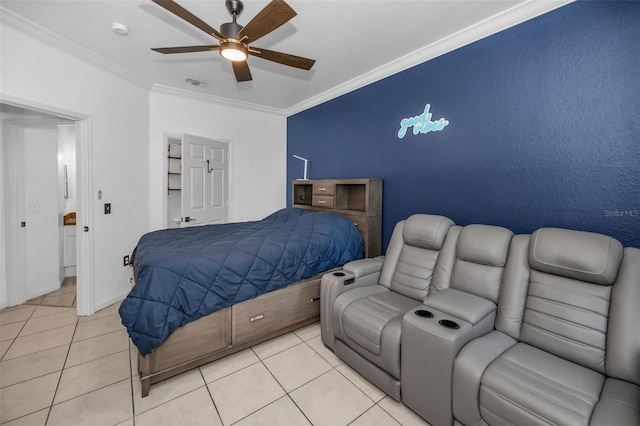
pixel 65 296
pixel 60 369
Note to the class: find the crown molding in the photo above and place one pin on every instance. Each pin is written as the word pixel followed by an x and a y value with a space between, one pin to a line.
pixel 34 30
pixel 492 25
pixel 167 90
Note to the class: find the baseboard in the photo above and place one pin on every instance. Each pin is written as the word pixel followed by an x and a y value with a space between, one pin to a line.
pixel 110 301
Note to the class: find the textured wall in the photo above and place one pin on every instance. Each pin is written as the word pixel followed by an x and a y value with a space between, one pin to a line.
pixel 544 129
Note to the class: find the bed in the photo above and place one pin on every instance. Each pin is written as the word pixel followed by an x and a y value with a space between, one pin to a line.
pixel 205 292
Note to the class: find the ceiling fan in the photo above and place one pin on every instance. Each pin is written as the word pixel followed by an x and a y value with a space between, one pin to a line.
pixel 235 39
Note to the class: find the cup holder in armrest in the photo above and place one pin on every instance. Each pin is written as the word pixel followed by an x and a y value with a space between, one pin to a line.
pixel 423 313
pixel 338 274
pixel 448 324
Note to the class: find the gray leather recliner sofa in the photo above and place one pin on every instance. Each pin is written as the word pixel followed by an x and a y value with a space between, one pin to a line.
pixel 539 329
pixel 361 308
pixel 566 349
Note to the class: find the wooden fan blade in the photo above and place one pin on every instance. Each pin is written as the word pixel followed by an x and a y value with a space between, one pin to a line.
pixel 283 58
pixel 241 70
pixel 185 49
pixel 274 15
pixel 183 13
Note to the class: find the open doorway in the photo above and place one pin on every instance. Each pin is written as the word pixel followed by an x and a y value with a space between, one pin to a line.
pixel 44 199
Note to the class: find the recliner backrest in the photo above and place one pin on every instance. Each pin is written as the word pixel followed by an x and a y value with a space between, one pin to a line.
pixel 623 332
pixel 412 254
pixel 567 304
pixel 481 255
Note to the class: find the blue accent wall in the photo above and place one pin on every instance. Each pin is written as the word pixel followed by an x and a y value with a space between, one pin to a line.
pixel 544 129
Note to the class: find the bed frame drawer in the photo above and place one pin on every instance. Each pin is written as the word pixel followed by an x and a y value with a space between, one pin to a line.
pixel 274 311
pixel 213 335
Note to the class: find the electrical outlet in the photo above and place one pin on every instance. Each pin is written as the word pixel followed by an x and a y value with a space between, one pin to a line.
pixel 107 208
pixel 125 260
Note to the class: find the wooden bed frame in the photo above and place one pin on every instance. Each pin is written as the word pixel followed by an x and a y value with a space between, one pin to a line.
pixel 245 324
pixel 232 329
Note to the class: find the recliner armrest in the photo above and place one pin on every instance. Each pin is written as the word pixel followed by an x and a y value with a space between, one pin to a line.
pixel 363 267
pixel 461 304
pixel 359 273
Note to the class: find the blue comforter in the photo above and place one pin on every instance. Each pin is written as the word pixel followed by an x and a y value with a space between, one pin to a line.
pixel 184 274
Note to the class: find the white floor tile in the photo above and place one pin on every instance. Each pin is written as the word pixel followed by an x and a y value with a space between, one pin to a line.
pixel 15 314
pixel 280 412
pixel 97 347
pixel 317 345
pixel 371 390
pixel 88 329
pixel 193 409
pixel 40 341
pixel 331 400
pixel 296 366
pixel 401 413
pixel 375 416
pixel 4 347
pixel 27 397
pixel 10 331
pixel 38 418
pixel 31 366
pixel 92 375
pixel 108 311
pixel 274 346
pixel 229 364
pixel 50 322
pixel 128 422
pixel 166 390
pixel 308 332
pixel 106 406
pixel 243 392
pixel 43 311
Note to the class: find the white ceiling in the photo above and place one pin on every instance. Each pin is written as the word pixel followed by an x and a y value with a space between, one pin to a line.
pixel 354 42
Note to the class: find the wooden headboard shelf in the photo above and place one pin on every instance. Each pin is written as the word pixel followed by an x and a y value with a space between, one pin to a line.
pixel 359 199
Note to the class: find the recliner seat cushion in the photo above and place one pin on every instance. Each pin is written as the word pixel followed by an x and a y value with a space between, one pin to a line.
pixel 373 323
pixel 526 385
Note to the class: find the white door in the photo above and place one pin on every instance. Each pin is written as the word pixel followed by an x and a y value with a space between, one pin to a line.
pixel 205 179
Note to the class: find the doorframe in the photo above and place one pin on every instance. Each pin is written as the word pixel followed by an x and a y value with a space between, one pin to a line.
pixel 85 299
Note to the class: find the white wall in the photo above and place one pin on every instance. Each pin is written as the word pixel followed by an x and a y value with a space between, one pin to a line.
pixel 257 145
pixel 119 109
pixel 42 240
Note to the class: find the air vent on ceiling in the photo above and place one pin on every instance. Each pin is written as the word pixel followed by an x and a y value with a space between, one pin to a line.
pixel 196 82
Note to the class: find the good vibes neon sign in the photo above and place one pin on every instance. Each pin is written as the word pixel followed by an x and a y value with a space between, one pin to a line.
pixel 422 123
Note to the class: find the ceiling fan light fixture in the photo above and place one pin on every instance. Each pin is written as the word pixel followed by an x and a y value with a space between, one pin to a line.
pixel 233 50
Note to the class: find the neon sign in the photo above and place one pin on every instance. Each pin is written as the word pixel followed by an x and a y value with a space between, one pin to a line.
pixel 422 123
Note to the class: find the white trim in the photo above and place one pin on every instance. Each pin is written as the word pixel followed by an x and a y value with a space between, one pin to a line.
pixel 84 146
pixel 111 300
pixel 502 21
pixel 159 88
pixel 52 39
pixel 85 299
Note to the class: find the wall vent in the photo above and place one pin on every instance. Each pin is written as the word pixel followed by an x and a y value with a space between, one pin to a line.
pixel 196 82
